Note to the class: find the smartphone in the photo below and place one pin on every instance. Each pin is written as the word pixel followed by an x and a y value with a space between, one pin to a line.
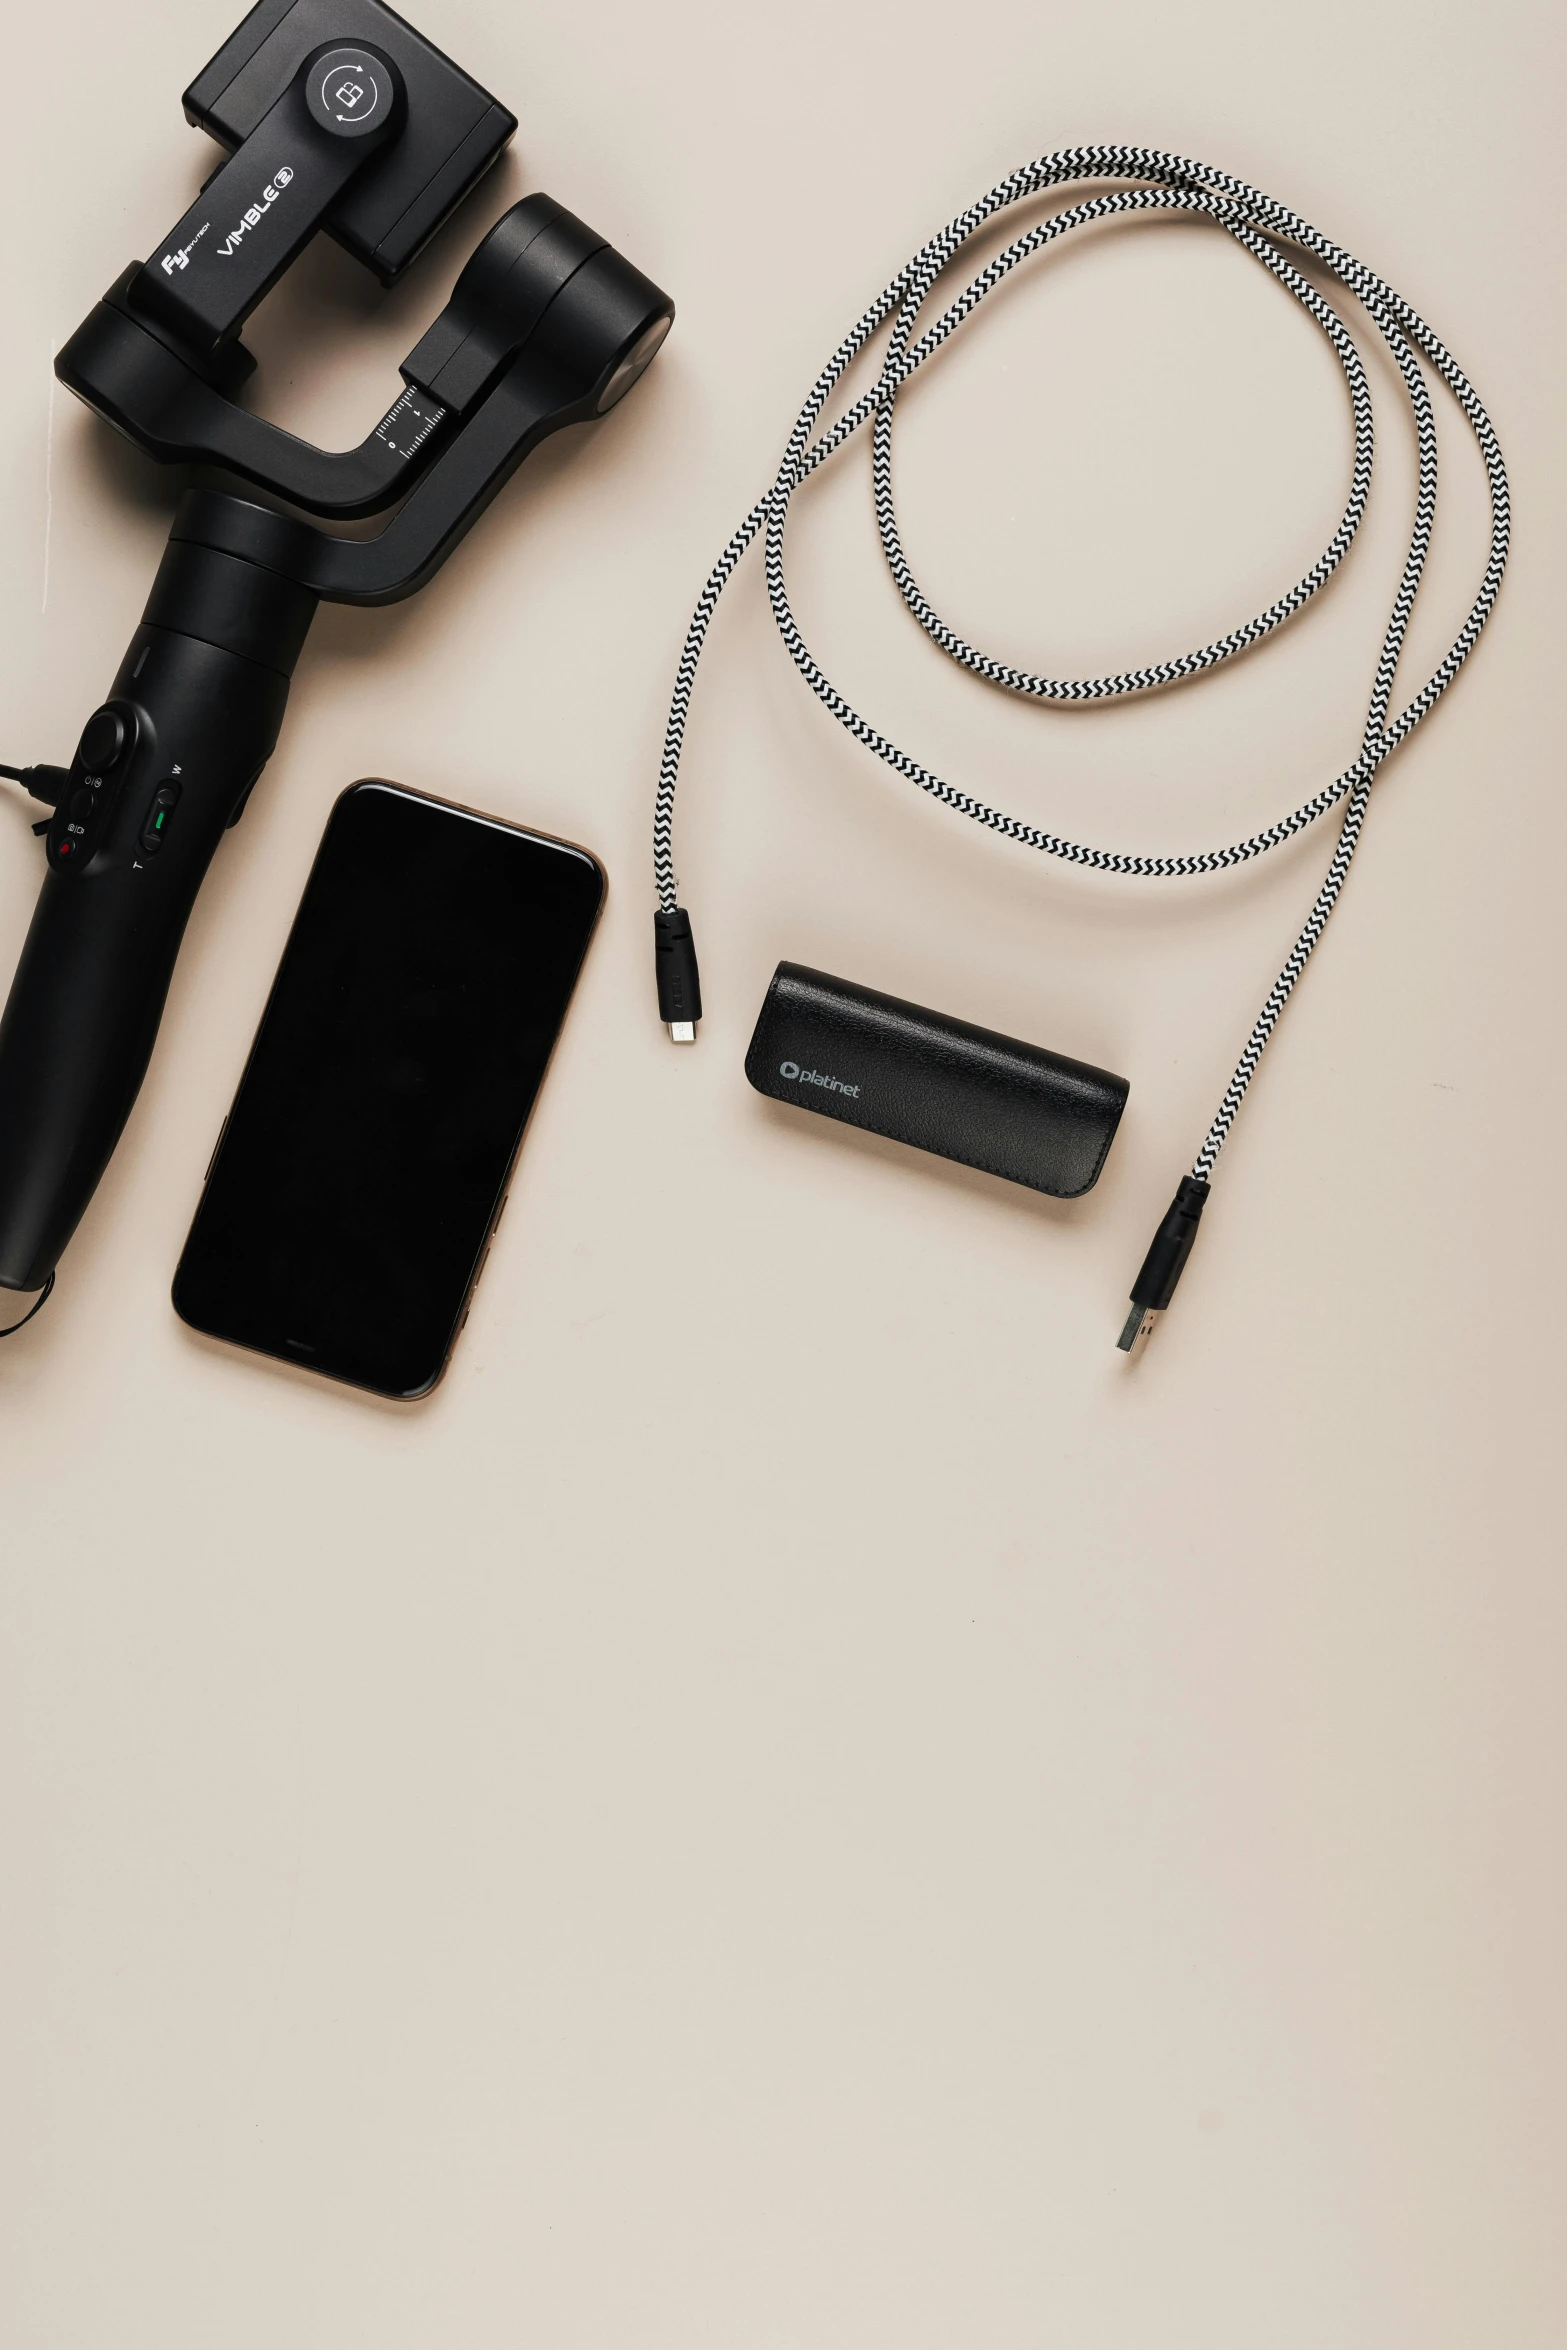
pixel 362 1169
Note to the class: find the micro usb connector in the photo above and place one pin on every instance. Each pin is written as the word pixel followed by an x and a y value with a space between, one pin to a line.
pixel 679 982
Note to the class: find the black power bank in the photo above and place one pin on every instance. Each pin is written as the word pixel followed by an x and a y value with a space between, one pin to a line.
pixel 938 1084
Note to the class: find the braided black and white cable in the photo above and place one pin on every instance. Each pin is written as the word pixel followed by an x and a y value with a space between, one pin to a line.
pixel 1162 183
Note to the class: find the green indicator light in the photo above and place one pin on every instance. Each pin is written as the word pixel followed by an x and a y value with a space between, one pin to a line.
pixel 158 825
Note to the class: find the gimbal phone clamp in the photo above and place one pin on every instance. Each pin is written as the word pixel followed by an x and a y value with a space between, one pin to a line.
pixel 377 138
pixel 340 117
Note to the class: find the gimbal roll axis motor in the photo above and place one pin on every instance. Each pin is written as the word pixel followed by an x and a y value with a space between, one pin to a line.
pixel 339 117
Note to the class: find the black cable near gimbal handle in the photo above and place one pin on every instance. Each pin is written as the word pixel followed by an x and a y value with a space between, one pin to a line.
pixel 195 709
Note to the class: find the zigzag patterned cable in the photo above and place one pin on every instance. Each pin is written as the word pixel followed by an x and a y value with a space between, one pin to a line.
pixel 1171 183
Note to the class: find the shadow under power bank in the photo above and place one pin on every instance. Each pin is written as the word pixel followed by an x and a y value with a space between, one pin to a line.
pixel 938 1084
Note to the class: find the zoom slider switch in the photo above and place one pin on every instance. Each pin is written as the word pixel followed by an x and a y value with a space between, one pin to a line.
pixel 159 816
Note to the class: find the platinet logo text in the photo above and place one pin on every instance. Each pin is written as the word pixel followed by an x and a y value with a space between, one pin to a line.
pixel 798 1076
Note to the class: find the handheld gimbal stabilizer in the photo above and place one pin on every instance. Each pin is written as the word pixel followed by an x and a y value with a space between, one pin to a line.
pixel 341 117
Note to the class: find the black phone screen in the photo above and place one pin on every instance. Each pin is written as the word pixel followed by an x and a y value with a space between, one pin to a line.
pixel 366 1156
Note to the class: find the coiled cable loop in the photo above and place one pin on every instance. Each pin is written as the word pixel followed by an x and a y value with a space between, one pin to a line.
pixel 1162 183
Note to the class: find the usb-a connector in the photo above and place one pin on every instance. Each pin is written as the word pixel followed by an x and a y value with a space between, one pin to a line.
pixel 1138 1323
pixel 1165 1261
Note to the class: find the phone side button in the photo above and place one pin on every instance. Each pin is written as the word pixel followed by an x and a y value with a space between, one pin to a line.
pixel 217 1146
pixel 478 1272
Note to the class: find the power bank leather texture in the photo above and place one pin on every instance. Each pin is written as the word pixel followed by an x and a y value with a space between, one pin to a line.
pixel 918 1077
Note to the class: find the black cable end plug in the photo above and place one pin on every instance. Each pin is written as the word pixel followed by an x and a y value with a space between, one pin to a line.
pixel 679 982
pixel 1166 1260
pixel 48 784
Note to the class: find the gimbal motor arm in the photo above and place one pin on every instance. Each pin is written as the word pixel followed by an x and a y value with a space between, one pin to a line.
pixel 340 117
pixel 594 328
pixel 260 207
pixel 159 398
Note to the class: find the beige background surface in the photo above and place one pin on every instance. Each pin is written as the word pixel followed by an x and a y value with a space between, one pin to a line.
pixel 797 1802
